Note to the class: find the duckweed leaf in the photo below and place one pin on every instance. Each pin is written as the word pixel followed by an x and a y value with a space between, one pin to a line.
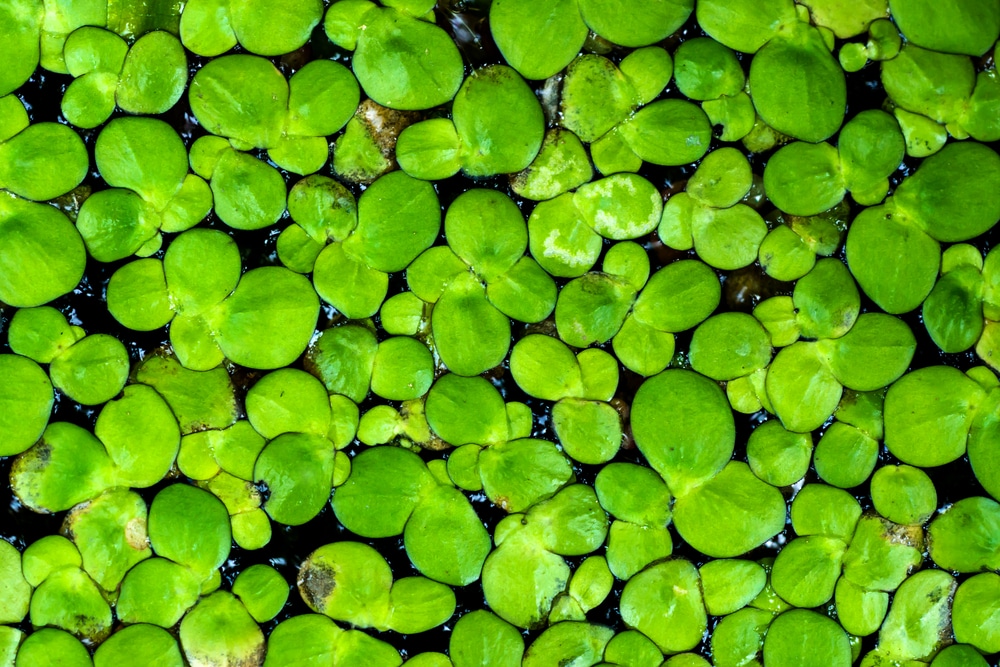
pixel 801 388
pixel 779 457
pixel 845 456
pixel 952 311
pixel 430 149
pixel 903 494
pixel 730 584
pixel 537 41
pixel 219 630
pixel 144 643
pixel 17 591
pixel 42 161
pixel 110 532
pixel 471 335
pixel 69 599
pixel 963 538
pixel 946 195
pixel 957 26
pixel 633 493
pixel 707 70
pixel 722 179
pixel 739 636
pixel 559 240
pixel 499 122
pixel 928 414
pixel 507 478
pixel 729 345
pixel 569 640
pixel 404 63
pixel 641 348
pixel 826 300
pixel 298 469
pixel 343 358
pixel 596 96
pixel 526 292
pixel 873 354
pixel 191 527
pixel 93 370
pixel 974 614
pixel 42 256
pixel 21 25
pixel 668 132
pixel 154 74
pixel 730 514
pixel 804 178
pixel 398 218
pixel 26 399
pixel 278 27
pixel 486 230
pixel 138 297
pixel 744 26
pixel 479 638
pixel 678 296
pixel 666 595
pixel 324 208
pixel 882 553
pixel 288 401
pixel 824 510
pixel 860 611
pixel 445 539
pixel 403 369
pixel 591 309
pixel 521 579
pixel 684 427
pixel 464 410
pixel 810 102
pixel 141 436
pixel 199 399
pixel 269 319
pixel 871 147
pixel 919 610
pixel 47 643
pixel 398 479
pixel 560 166
pixel 622 206
pixel 347 581
pixel 806 570
pixel 157 591
pixel 254 115
pixel 874 241
pixel 806 638
pixel 589 431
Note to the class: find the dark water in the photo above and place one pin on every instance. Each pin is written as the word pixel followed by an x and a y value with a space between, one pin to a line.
pixel 290 546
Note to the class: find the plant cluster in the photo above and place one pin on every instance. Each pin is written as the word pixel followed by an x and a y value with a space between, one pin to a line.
pixel 630 321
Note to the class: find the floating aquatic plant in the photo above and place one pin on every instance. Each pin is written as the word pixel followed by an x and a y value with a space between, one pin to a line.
pixel 619 332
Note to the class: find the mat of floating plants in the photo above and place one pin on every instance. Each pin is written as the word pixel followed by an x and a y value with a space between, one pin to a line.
pixel 467 333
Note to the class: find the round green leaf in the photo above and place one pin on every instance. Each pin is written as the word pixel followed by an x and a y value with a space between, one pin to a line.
pixel 537 41
pixel 777 456
pixel 678 296
pixel 93 370
pixel 147 644
pixel 191 527
pixel 220 631
pixel 499 122
pixel 242 97
pixel 157 591
pixel 801 388
pixel 298 469
pixel 635 22
pixel 140 434
pixel 41 256
pixel 804 179
pixel 806 639
pixel 964 537
pixel 684 427
pixel 269 319
pixel 445 539
pixel 730 514
pixel 729 345
pixel 394 478
pixel 43 161
pixel 928 414
pixel 404 63
pixel 26 399
pixel 668 132
pixel 278 27
pixel 664 603
pixel 154 75
pixel 797 86
pixel 471 335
